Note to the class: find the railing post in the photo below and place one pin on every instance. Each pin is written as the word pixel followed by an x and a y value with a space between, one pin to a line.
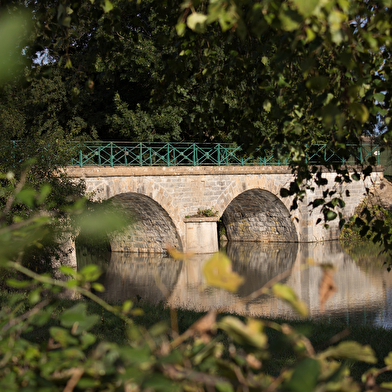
pixel 378 154
pixel 219 163
pixel 80 158
pixel 99 156
pixel 360 154
pixel 168 154
pixel 141 155
pixel 111 154
pixel 194 154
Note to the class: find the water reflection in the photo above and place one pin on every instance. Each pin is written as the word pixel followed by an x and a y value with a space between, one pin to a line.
pixel 362 291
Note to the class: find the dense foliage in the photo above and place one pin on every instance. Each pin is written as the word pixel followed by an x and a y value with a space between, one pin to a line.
pixel 279 72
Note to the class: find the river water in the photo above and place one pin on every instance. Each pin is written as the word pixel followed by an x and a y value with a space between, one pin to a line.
pixel 360 291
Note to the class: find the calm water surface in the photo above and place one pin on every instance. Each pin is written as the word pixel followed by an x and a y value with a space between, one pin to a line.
pixel 363 291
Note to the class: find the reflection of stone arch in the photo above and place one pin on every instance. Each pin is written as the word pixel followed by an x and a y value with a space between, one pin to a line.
pixel 258 214
pixel 144 275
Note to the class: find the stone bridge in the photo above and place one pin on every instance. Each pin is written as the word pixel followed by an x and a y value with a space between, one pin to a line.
pixel 163 200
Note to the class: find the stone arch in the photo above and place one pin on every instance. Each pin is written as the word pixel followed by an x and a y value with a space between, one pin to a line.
pixel 156 208
pixel 253 211
pixel 272 187
pixel 258 215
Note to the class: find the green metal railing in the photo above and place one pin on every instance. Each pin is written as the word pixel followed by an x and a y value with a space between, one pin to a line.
pixel 191 154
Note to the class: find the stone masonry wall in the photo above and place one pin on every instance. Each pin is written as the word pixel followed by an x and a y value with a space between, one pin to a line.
pixel 181 191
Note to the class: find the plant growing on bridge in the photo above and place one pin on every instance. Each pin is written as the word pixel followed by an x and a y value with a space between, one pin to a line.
pixel 207 212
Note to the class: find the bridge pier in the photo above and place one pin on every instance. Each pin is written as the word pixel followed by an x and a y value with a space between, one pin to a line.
pixel 201 234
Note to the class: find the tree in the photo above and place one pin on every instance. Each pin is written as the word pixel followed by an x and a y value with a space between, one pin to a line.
pixel 286 74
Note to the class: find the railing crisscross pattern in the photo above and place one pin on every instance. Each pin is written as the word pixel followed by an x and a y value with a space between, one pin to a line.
pixel 192 154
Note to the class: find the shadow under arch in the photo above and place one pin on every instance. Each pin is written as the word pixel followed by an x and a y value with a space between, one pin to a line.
pixel 257 215
pixel 151 230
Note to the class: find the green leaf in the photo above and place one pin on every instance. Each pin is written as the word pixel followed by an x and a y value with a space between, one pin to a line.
pixel 180 28
pixel 27 197
pixel 197 22
pixel 87 340
pixel 107 6
pixel 306 7
pixel 11 30
pixel 224 386
pixel 91 272
pixel 127 306
pixel 18 284
pixel 98 287
pixel 388 359
pixel 318 202
pixel 359 111
pixel 158 382
pixel 351 350
pixel 66 270
pixel 44 193
pixel 251 333
pixel 379 97
pixel 330 215
pixel 218 272
pixel 77 319
pixel 304 377
pixel 287 294
pixel 41 318
pixel 35 296
pixel 159 329
pixel 267 105
pixel 289 19
pixel 62 336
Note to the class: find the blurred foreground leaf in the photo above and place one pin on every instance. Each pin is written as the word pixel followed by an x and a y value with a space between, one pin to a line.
pixel 304 377
pixel 251 333
pixel 12 30
pixel 287 294
pixel 351 350
pixel 77 319
pixel 218 272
